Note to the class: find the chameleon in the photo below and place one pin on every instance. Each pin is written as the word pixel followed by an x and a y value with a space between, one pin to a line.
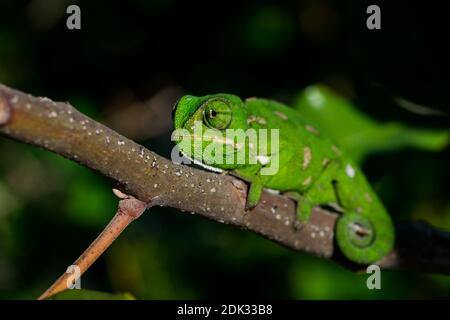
pixel 312 169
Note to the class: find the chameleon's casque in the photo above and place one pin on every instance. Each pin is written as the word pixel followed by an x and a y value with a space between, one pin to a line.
pixel 311 168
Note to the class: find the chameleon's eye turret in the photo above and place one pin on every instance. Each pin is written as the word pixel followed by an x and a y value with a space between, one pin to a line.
pixel 217 114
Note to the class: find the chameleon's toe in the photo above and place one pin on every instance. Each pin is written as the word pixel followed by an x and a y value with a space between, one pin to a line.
pixel 358 239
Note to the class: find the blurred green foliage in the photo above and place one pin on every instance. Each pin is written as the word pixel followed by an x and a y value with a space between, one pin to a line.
pixel 357 133
pixel 51 208
pixel 90 295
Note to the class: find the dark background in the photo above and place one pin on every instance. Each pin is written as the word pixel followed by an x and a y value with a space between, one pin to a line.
pixel 127 66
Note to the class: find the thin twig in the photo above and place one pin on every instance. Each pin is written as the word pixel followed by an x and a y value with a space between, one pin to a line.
pixel 128 210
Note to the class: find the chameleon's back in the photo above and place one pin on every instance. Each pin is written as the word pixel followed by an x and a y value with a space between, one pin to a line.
pixel 312 165
pixel 303 150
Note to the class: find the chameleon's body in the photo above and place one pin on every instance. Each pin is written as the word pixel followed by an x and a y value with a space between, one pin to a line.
pixel 311 168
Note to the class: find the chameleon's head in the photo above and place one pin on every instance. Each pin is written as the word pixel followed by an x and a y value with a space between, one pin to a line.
pixel 201 124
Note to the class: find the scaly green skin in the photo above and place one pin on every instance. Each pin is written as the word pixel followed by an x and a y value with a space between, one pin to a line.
pixel 311 169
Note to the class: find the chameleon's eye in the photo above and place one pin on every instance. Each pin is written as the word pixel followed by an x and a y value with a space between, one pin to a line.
pixel 217 114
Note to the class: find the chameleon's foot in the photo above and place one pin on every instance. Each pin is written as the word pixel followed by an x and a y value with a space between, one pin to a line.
pixel 357 237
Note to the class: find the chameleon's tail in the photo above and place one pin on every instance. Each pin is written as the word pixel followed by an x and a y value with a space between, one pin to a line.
pixel 364 239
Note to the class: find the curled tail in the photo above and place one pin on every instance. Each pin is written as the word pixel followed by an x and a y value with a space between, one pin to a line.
pixel 364 239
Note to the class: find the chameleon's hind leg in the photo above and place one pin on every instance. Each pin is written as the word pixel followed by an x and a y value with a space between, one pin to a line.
pixel 304 205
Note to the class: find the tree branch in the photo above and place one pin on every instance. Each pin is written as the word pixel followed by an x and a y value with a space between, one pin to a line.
pixel 60 128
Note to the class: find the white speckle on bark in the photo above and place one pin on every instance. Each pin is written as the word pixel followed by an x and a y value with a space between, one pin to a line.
pixel 120 142
pixel 213 190
pixel 155 185
pixel 14 99
pixel 278 217
pixel 52 114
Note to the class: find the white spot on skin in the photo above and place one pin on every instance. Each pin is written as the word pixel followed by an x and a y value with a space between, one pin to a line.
pixel 120 142
pixel 278 217
pixel 336 150
pixel 263 159
pixel 155 185
pixel 178 173
pixel 307 156
pixel 281 115
pixel 28 106
pixel 256 119
pixel 349 171
pixel 312 130
pixel 307 181
pixel 213 190
pixel 199 163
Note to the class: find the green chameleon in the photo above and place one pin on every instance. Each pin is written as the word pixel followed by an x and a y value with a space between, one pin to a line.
pixel 311 169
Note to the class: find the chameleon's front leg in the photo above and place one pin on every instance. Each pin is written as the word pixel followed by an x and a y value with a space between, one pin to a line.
pixel 253 175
